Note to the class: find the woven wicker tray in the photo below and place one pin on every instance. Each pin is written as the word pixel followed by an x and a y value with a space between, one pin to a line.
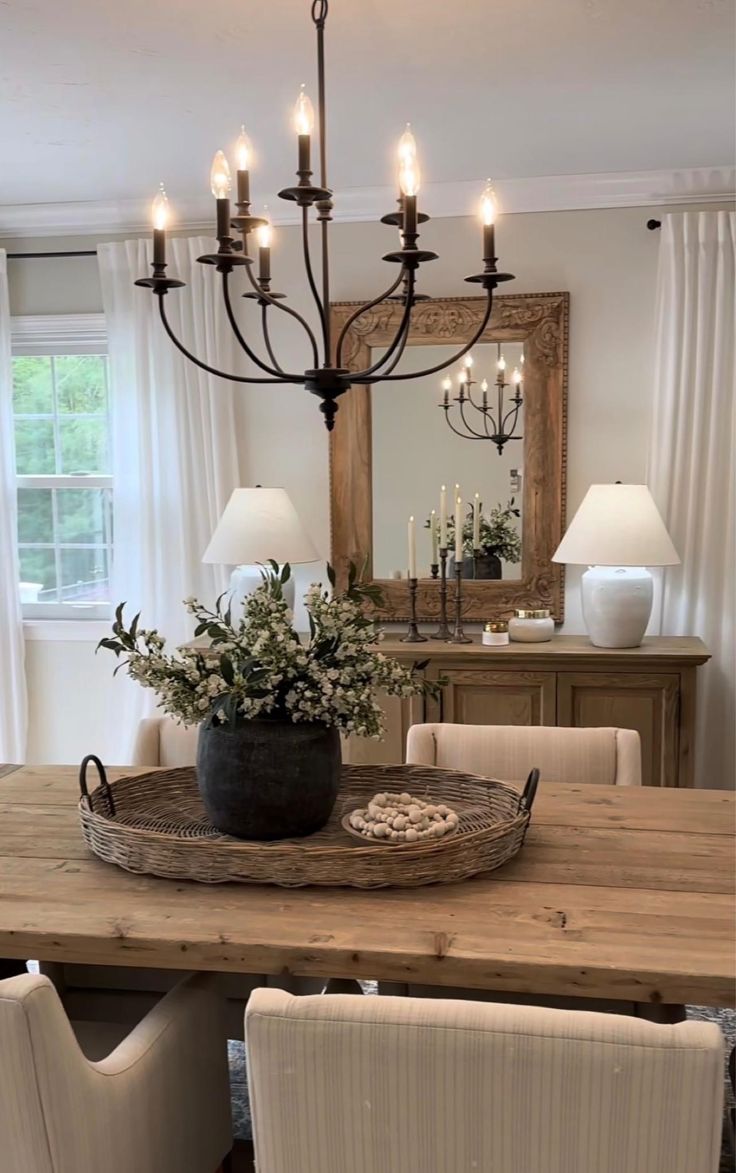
pixel 155 824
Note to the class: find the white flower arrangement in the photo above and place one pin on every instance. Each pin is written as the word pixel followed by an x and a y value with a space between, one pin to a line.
pixel 258 668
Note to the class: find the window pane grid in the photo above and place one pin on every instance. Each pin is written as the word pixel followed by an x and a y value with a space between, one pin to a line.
pixel 81 443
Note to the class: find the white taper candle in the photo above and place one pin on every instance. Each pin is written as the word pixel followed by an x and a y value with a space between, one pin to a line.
pixel 458 531
pixel 412 549
pixel 443 518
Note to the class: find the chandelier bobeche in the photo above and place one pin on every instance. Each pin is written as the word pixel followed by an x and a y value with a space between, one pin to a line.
pixel 499 424
pixel 325 376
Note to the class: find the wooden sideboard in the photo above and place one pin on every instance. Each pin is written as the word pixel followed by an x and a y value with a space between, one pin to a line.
pixel 564 682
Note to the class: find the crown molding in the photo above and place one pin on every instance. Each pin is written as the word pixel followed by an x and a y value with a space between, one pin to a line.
pixel 549 193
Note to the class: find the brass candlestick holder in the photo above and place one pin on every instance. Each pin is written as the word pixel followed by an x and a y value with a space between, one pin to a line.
pixel 434 569
pixel 443 631
pixel 412 636
pixel 458 636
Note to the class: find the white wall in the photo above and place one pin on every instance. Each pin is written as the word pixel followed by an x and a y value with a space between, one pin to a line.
pixel 605 259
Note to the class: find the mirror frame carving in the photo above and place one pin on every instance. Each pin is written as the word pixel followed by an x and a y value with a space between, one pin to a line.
pixel 540 321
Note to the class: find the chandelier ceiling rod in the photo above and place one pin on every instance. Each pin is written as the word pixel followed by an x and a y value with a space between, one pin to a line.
pixel 327 378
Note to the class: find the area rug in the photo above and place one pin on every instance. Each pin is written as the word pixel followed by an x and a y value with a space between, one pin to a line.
pixel 725 1019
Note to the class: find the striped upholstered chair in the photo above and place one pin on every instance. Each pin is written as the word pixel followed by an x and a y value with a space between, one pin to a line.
pixel 404 1086
pixel 80 1097
pixel 508 752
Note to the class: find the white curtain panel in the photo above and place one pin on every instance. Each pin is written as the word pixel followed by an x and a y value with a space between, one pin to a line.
pixel 176 456
pixel 13 704
pixel 692 469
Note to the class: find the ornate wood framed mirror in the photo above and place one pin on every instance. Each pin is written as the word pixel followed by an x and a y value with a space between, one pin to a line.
pixel 393 448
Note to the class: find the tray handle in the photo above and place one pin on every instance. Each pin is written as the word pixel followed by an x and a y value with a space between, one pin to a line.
pixel 526 802
pixel 104 784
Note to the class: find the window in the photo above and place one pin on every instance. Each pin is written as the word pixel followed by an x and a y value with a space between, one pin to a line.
pixel 61 410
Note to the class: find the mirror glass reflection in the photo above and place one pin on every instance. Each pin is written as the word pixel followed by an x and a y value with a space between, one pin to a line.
pixel 415 452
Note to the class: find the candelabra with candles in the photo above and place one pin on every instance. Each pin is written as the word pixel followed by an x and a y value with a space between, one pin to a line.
pixel 325 376
pixel 498 427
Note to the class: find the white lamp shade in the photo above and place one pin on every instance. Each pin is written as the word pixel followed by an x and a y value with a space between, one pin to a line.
pixel 259 524
pixel 617 525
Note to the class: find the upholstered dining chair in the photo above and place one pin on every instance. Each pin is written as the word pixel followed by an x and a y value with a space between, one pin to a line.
pixel 83 1097
pixel 508 752
pixel 348 1083
pixel 162 741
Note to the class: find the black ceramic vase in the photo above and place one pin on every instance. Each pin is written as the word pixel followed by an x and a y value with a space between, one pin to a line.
pixel 485 566
pixel 269 779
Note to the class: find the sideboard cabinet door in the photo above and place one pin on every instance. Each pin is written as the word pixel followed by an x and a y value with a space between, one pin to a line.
pixel 482 697
pixel 398 714
pixel 645 702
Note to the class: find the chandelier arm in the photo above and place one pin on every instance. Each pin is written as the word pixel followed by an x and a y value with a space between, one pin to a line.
pixel 463 435
pixel 205 366
pixel 276 371
pixel 363 309
pixel 512 411
pixel 404 324
pixel 279 305
pixel 478 435
pixel 399 353
pixel 311 280
pixel 267 337
pixel 448 362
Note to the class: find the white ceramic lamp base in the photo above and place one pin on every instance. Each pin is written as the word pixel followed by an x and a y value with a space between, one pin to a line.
pixel 617 603
pixel 244 580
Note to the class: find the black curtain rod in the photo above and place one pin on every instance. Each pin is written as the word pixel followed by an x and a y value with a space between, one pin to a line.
pixel 90 252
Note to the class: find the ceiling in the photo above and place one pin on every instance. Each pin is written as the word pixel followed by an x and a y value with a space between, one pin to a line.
pixel 100 100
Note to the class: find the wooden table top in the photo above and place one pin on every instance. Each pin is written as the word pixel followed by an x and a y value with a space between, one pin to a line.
pixel 619 892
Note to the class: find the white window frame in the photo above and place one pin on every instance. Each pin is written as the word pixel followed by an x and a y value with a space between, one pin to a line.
pixel 58 334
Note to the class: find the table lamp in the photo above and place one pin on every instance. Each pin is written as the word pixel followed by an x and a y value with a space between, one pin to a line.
pixel 617 532
pixel 257 525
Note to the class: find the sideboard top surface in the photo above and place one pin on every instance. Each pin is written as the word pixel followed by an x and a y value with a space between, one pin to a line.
pixel 661 650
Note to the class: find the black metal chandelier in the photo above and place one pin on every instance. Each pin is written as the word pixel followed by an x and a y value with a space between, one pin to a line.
pixel 325 376
pixel 499 426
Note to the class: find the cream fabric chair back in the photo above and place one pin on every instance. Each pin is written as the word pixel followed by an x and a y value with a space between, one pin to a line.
pixel 162 741
pixel 509 752
pixel 344 1083
pixel 156 1100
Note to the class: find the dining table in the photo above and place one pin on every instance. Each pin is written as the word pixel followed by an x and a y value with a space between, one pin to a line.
pixel 619 892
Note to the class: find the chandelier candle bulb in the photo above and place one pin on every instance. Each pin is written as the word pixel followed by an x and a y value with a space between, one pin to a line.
pixel 220 183
pixel 264 235
pixel 412 548
pixel 160 210
pixel 489 211
pixel 304 124
pixel 243 152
